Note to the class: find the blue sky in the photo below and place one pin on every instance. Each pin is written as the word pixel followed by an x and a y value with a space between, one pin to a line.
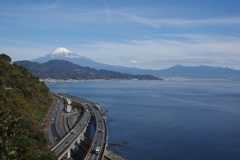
pixel 153 34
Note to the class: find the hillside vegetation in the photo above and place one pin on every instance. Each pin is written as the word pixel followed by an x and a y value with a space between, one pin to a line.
pixel 23 102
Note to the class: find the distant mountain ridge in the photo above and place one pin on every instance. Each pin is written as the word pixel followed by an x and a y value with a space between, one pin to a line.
pixel 202 72
pixel 60 69
pixel 67 55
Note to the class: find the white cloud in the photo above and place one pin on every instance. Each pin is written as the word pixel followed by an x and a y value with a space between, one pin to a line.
pixel 54 15
pixel 201 22
pixel 23 53
pixel 218 50
pixel 108 11
pixel 133 61
pixel 138 19
pixel 80 24
pixel 162 64
pixel 24 23
pixel 22 50
pixel 152 53
pixel 57 14
pixel 176 22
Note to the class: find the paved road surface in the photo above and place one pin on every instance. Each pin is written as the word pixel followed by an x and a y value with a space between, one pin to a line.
pixel 72 136
pixel 100 135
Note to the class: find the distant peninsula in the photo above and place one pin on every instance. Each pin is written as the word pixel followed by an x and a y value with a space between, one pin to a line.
pixel 64 70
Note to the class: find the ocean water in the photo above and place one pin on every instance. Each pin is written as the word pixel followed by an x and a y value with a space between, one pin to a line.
pixel 167 120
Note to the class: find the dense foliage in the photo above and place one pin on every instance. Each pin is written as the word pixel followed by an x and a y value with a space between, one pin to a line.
pixel 23 102
pixel 77 105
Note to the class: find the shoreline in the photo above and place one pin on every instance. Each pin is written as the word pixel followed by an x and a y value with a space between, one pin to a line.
pixel 166 79
pixel 94 80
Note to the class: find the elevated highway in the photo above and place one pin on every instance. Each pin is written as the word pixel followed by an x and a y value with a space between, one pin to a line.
pixel 67 141
pixel 99 143
pixel 57 129
pixel 74 136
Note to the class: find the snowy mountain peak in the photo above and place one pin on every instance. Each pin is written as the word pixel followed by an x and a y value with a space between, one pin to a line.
pixel 62 53
pixel 61 50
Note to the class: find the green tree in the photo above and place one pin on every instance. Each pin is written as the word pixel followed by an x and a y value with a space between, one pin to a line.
pixel 5 57
pixel 21 109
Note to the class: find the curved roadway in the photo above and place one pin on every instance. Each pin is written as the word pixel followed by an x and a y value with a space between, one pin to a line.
pixel 56 122
pixel 70 139
pixel 67 142
pixel 100 136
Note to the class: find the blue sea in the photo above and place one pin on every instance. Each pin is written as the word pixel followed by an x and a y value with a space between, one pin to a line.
pixel 167 120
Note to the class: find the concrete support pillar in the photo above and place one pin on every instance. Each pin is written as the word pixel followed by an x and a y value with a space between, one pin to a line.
pixel 69 154
pixel 81 136
pixel 78 140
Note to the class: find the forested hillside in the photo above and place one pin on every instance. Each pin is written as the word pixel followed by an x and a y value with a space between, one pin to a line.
pixel 23 102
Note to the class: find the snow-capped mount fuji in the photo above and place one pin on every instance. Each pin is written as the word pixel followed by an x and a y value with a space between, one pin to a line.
pixel 67 55
pixel 62 53
pixel 204 72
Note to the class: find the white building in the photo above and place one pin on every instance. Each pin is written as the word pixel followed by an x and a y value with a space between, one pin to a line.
pixel 69 108
pixel 69 101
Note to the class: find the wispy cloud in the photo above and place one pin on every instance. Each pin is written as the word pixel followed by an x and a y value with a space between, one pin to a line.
pixel 218 50
pixel 201 22
pixel 25 52
pixel 133 61
pixel 24 23
pixel 47 13
pixel 138 19
pixel 161 64
pixel 53 15
pixel 135 36
pixel 158 22
pixel 108 11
